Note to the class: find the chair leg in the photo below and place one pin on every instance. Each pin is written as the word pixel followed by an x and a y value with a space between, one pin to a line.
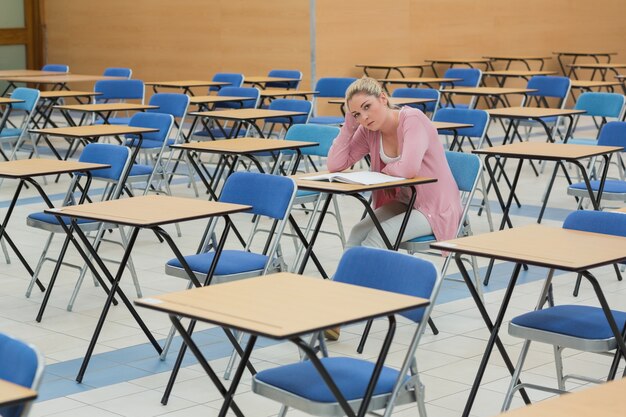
pixel 558 362
pixel 342 234
pixel 42 259
pixel 130 264
pixel 7 258
pixel 515 377
pixel 233 358
pixel 486 205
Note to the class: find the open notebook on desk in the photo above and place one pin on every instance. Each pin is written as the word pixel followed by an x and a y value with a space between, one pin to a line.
pixel 358 177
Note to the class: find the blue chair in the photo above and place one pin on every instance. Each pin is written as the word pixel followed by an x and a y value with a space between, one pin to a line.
pixel 580 327
pixel 300 386
pixel 56 68
pixel 119 91
pixel 295 74
pixel 427 108
pixel 217 133
pixel 21 364
pixel 25 112
pixel 271 198
pixel 330 87
pixel 119 158
pixel 233 80
pixel 470 77
pixel 118 72
pixel 602 105
pixel 288 104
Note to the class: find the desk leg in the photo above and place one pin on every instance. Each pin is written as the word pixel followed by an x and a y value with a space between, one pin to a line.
pixel 595 199
pixel 493 327
pixel 316 231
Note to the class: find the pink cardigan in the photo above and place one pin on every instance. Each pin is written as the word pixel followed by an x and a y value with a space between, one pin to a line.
pixel 421 155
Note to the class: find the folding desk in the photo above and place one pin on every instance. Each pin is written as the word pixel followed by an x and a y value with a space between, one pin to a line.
pixel 391 67
pixel 25 170
pixel 503 75
pixel 495 94
pixel 454 127
pixel 236 148
pixel 602 69
pixel 52 98
pixel 13 394
pixel 538 245
pixel 273 93
pixel 417 81
pixel 58 82
pixel 144 212
pixel 185 85
pixel 25 73
pixel 243 116
pixel 260 81
pixel 102 110
pixel 580 54
pixel 284 307
pixel 205 101
pixel 396 101
pixel 525 59
pixel 8 103
pixel 356 191
pixel 470 62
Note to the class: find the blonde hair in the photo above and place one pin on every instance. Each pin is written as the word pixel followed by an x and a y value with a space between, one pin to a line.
pixel 367 86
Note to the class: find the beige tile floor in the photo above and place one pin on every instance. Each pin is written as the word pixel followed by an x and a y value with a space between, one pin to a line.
pixel 448 361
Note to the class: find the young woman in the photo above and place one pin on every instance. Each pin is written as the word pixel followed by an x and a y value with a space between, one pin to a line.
pixel 403 143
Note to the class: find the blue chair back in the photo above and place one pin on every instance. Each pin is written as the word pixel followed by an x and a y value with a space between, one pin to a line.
pixel 269 195
pixel 388 271
pixel 288 104
pixel 20 364
pixel 419 93
pixel 601 104
pixel 105 153
pixel 612 134
pixel 295 74
pixel 470 77
pixel 324 135
pixel 605 222
pixel 465 168
pixel 160 121
pixel 239 92
pixel 333 87
pixel 549 86
pixel 234 80
pixel 30 97
pixel 478 118
pixel 119 90
pixel 56 68
pixel 118 72
pixel 175 104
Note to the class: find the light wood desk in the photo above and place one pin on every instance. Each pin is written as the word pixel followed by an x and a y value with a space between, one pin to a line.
pixel 537 245
pixel 144 212
pixel 602 69
pixel 279 306
pixel 25 171
pixel 392 67
pixel 417 81
pixel 101 110
pixel 262 80
pixel 491 95
pixel 13 394
pixel 8 103
pixel 244 117
pixel 575 55
pixel 502 75
pixel 396 101
pixel 445 128
pixel 468 62
pixel 59 82
pixel 525 59
pixel 185 85
pixel 25 73
pixel 272 93
pixel 53 97
pixel 205 101
pixel 590 85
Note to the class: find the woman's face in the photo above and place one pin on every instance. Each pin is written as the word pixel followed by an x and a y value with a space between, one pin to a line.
pixel 370 111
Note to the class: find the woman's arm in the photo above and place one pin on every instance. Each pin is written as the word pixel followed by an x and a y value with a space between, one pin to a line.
pixel 415 143
pixel 349 147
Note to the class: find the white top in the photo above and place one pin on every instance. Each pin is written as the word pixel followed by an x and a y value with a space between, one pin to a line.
pixel 383 156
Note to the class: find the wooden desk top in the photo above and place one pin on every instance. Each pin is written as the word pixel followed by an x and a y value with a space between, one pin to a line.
pixel 283 305
pixel 593 84
pixel 518 73
pixel 284 92
pixel 418 80
pixel 517 57
pixel 548 151
pixel 149 210
pixel 391 66
pixel 488 91
pixel 8 100
pixel 262 79
pixel 187 83
pixel 247 114
pixel 61 79
pixel 35 167
pixel 217 99
pixel 240 146
pixel 531 112
pixel 620 210
pixel 11 394
pixel 104 107
pixel 396 101
pixel 450 126
pixel 603 65
pixel 25 73
pixel 458 61
pixel 550 247
pixel 584 53
pixel 343 188
pixel 93 131
pixel 598 400
pixel 68 93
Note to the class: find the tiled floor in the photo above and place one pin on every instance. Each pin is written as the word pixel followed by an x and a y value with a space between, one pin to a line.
pixel 126 377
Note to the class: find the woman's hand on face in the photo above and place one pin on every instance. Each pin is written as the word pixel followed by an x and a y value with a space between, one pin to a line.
pixel 350 122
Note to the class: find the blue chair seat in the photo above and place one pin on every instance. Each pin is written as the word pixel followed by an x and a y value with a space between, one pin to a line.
pixel 456 106
pixel 350 375
pixel 230 262
pixel 217 133
pixel 427 238
pixel 610 186
pixel 51 219
pixel 305 193
pixel 147 144
pixel 114 121
pixel 582 141
pixel 139 169
pixel 578 321
pixel 327 120
pixel 10 132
